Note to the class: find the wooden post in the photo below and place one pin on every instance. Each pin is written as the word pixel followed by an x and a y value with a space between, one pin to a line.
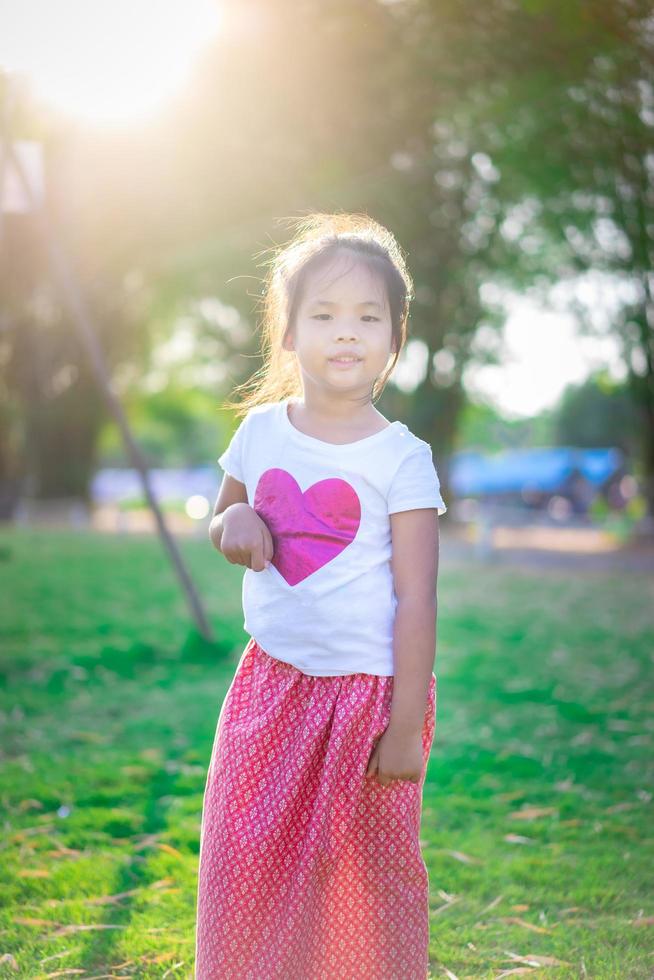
pixel 77 309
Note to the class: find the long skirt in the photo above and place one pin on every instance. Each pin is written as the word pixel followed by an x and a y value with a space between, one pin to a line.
pixel 308 868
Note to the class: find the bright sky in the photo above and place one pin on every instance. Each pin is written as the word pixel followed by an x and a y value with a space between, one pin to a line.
pixel 105 63
pixel 540 351
pixel 541 354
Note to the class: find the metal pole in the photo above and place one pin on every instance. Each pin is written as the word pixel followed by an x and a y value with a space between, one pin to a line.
pixel 77 308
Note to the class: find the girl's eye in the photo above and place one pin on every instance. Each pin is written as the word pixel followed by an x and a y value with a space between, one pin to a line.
pixel 368 316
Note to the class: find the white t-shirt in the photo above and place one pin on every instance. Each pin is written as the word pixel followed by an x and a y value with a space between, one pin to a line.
pixel 326 604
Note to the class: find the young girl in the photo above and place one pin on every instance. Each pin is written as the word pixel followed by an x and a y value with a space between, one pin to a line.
pixel 310 864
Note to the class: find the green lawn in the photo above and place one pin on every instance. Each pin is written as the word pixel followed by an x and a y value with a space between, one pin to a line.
pixel 537 820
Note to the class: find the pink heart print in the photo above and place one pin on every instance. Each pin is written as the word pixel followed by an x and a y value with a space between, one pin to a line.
pixel 308 529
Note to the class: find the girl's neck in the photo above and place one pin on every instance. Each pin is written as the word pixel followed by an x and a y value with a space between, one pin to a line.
pixel 344 424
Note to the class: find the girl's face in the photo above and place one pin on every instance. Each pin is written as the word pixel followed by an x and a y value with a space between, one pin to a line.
pixel 343 334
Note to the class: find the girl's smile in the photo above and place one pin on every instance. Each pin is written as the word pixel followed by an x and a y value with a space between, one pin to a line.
pixel 344 362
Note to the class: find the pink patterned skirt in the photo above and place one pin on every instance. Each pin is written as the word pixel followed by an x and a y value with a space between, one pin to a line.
pixel 308 869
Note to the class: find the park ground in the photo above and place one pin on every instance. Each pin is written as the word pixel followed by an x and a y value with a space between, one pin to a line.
pixel 537 810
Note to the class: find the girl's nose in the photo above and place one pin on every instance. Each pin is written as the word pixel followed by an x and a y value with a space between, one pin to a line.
pixel 346 330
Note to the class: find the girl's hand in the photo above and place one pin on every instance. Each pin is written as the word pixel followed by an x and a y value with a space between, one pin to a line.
pixel 396 756
pixel 245 538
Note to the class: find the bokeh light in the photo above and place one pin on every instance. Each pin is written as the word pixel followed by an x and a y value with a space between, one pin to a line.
pixel 197 507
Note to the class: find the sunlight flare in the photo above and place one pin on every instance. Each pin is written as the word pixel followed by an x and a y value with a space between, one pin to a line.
pixel 105 64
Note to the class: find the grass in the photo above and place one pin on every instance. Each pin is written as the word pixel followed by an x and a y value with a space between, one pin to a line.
pixel 537 810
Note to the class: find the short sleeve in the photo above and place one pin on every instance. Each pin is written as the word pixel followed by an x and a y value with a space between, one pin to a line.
pixel 416 484
pixel 232 460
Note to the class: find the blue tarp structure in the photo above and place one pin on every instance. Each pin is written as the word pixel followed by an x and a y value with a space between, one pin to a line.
pixel 540 470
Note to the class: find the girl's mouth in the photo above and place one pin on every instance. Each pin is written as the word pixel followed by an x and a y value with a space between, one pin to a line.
pixel 344 362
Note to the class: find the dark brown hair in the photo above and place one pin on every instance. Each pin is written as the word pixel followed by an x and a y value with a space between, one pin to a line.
pixel 319 237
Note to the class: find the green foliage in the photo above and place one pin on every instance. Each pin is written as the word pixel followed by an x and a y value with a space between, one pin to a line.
pixel 482 429
pixel 598 413
pixel 174 427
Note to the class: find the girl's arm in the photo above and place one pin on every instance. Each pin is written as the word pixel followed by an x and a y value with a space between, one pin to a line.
pixel 249 541
pixel 415 543
pixel 231 491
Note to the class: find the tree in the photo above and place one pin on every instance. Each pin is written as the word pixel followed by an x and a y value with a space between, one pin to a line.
pixel 561 106
pixel 599 413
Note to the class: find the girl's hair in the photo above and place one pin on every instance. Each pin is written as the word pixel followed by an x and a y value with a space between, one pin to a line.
pixel 319 238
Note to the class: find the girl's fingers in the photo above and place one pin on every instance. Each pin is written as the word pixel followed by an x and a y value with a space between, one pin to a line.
pixel 260 553
pixel 372 765
pixel 256 559
pixel 268 546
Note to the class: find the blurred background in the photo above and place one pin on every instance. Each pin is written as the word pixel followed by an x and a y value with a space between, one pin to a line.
pixel 150 153
pixel 508 147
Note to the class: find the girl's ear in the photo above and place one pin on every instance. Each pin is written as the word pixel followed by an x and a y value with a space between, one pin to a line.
pixel 287 341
